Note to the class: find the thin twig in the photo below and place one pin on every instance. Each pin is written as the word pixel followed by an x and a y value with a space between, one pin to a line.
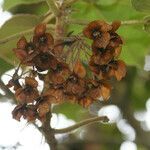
pixel 48 13
pixel 128 22
pixel 48 18
pixel 8 93
pixel 12 37
pixel 133 22
pixel 80 124
pixel 53 7
pixel 26 32
pixel 79 22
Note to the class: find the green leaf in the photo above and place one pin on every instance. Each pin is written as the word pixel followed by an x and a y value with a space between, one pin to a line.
pixel 71 111
pixel 106 2
pixel 15 25
pixel 89 11
pixel 135 47
pixel 8 4
pixel 4 66
pixel 122 10
pixel 35 8
pixel 141 5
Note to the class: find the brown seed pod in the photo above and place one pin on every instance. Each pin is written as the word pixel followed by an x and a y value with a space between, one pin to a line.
pixel 44 41
pixel 28 93
pixel 96 29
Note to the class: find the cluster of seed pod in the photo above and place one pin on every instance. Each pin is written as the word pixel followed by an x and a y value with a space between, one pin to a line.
pixel 62 82
pixel 106 48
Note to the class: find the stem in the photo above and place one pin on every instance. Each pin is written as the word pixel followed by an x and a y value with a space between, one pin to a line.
pixel 26 32
pixel 60 30
pixel 48 18
pixel 128 22
pixel 46 128
pixel 133 22
pixel 80 124
pixel 49 132
pixel 53 7
pixel 11 37
pixel 71 21
pixel 8 93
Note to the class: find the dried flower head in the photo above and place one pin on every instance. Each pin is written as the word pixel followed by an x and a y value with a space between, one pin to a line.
pixel 28 93
pixel 97 29
pixel 59 74
pixel 28 112
pixel 118 69
pixel 75 86
pixel 24 50
pixel 115 25
pixel 44 41
pixel 44 61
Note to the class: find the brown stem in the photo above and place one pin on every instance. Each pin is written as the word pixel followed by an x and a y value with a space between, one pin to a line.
pixel 60 31
pixel 49 132
pixel 46 128
pixel 80 124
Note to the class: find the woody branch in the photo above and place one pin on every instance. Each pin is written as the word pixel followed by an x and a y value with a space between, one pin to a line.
pixel 80 124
